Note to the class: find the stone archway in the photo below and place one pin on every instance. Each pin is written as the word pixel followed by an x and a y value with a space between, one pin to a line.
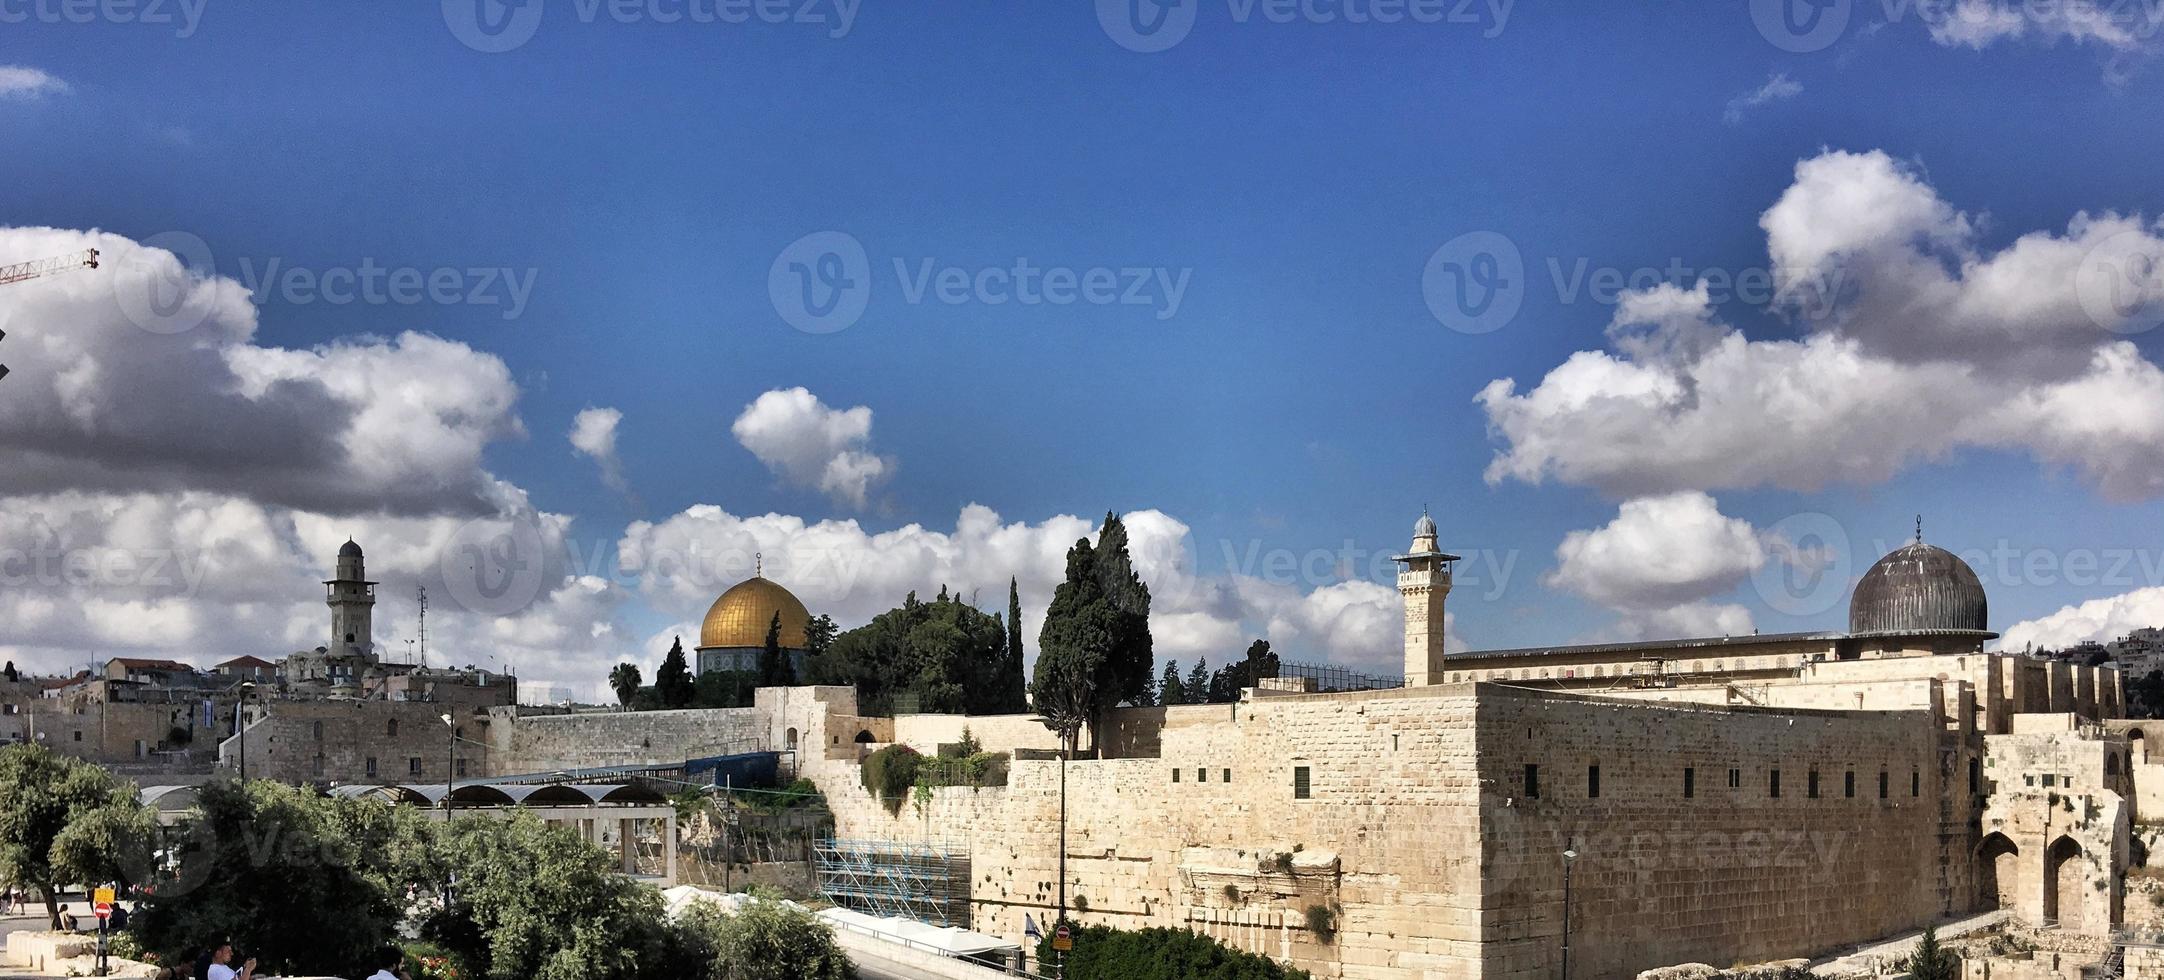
pixel 1998 865
pixel 2066 881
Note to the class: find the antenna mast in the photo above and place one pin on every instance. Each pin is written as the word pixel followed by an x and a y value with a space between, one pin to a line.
pixel 421 596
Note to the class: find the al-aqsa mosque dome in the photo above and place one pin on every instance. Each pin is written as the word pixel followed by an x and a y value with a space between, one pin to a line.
pixel 734 633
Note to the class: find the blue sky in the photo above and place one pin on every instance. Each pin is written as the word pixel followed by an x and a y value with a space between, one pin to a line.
pixel 1300 175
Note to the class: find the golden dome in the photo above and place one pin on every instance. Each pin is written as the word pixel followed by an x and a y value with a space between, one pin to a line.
pixel 740 617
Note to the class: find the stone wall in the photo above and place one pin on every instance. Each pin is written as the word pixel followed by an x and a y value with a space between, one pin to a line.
pixel 110 732
pixel 1707 839
pixel 546 743
pixel 2057 832
pixel 1414 832
pixel 363 742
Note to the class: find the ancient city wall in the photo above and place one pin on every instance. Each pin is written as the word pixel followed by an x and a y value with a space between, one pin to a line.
pixel 364 742
pixel 1693 848
pixel 107 732
pixel 545 743
pixel 1385 838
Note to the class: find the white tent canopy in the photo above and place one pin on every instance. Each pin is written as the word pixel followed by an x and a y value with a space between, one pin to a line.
pixel 947 939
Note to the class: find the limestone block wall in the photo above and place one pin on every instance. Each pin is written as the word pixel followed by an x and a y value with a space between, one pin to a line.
pixel 1386 836
pixel 1686 849
pixel 364 742
pixel 544 743
pixel 2056 836
pixel 107 731
pixel 1404 813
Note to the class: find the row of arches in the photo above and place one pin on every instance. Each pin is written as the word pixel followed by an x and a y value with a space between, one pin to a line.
pixel 2064 881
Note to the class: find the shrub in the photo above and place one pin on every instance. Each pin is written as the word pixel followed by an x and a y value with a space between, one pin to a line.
pixel 975 769
pixel 768 940
pixel 1232 893
pixel 889 773
pixel 1102 953
pixel 1322 922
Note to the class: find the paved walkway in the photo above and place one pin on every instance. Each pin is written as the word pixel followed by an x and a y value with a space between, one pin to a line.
pixel 1864 958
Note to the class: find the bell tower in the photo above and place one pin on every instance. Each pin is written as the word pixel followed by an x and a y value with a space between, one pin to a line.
pixel 352 599
pixel 1424 582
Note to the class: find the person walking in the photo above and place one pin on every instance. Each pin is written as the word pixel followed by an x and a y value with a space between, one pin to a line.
pixel 390 965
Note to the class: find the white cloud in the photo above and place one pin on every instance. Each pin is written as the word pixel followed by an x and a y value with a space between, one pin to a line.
pixel 144 375
pixel 1691 619
pixel 1978 24
pixel 21 82
pixel 593 434
pixel 1778 87
pixel 2101 620
pixel 1659 552
pixel 1918 344
pixel 812 445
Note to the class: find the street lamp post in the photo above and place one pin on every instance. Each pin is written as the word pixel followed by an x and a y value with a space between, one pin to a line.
pixel 1569 855
pixel 450 766
pixel 240 726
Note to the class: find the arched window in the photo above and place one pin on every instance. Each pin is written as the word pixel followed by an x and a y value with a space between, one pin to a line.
pixel 790 741
pixel 318 729
pixel 391 728
pixel 865 738
pixel 2111 763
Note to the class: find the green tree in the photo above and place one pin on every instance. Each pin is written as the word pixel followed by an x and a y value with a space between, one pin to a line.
pixel 775 670
pixel 944 656
pixel 1102 953
pixel 278 871
pixel 64 820
pixel 1169 689
pixel 1198 682
pixel 672 683
pixel 724 689
pixel 624 679
pixel 768 940
pixel 1094 651
pixel 538 901
pixel 1014 683
pixel 1932 961
pixel 819 634
pixel 1259 663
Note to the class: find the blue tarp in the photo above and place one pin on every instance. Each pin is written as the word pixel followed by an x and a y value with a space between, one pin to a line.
pixel 749 769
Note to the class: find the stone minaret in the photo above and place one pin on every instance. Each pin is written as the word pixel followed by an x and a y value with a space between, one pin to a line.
pixel 1424 581
pixel 352 599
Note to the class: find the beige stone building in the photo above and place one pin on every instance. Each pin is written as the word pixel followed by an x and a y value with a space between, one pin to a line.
pixel 1724 800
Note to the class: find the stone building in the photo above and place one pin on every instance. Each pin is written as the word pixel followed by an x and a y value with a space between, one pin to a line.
pixel 1721 799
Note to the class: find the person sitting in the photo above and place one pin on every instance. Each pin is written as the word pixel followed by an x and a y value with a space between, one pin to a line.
pixel 67 920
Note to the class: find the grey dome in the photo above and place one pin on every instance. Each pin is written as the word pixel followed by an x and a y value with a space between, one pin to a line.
pixel 349 549
pixel 1424 527
pixel 1919 588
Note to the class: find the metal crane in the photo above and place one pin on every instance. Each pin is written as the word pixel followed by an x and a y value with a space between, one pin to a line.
pixel 41 268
